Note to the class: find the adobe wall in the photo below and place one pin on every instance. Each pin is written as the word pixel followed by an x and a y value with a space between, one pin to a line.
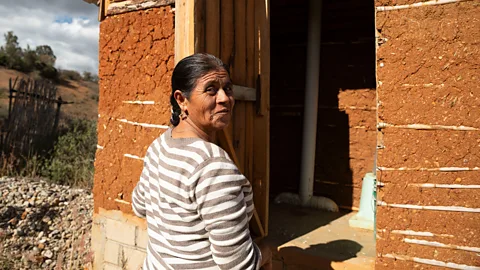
pixel 428 73
pixel 136 61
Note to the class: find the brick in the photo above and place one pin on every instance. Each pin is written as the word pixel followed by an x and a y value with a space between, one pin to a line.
pixel 141 238
pixel 112 252
pixel 134 258
pixel 98 241
pixel 120 232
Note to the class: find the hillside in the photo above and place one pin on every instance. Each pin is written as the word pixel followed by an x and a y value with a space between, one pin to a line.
pixel 84 94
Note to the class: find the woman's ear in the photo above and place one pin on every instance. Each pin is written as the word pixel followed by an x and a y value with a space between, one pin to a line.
pixel 181 99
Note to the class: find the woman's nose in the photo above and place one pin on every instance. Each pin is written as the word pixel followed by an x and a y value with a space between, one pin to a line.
pixel 222 96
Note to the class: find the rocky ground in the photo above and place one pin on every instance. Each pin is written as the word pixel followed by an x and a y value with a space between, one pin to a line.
pixel 44 226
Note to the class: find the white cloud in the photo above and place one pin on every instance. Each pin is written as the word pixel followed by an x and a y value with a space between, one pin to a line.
pixel 73 37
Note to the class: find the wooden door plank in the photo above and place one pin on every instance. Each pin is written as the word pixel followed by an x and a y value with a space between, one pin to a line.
pixel 101 11
pixel 250 82
pixel 212 27
pixel 239 77
pixel 227 33
pixel 261 143
pixel 180 35
pixel 200 13
pixel 227 39
pixel 189 27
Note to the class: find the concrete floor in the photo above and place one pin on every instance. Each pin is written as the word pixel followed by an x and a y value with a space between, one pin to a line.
pixel 312 239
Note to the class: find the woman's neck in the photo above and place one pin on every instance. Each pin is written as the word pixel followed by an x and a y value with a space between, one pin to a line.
pixel 187 129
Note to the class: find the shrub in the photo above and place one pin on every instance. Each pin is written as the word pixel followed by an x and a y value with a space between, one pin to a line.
pixel 3 59
pixel 48 72
pixel 73 75
pixel 73 155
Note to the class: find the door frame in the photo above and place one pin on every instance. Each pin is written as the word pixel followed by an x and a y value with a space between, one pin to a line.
pixel 197 29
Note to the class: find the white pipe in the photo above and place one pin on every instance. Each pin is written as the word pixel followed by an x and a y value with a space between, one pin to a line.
pixel 311 102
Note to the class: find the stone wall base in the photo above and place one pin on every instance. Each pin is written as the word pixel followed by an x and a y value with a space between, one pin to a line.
pixel 119 240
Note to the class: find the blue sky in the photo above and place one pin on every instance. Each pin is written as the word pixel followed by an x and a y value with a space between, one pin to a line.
pixel 70 27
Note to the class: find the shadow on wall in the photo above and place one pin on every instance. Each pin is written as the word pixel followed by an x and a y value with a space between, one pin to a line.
pixel 345 145
pixel 319 256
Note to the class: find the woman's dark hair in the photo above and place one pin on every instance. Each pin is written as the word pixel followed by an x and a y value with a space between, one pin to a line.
pixel 186 74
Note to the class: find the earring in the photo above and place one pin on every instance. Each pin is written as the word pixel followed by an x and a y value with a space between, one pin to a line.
pixel 183 115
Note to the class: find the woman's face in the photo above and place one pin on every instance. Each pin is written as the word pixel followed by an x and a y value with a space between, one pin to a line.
pixel 211 101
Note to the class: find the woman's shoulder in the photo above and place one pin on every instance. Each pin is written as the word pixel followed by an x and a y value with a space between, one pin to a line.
pixel 194 151
pixel 209 151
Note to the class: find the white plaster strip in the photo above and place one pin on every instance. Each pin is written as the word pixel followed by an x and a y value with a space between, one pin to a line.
pixel 430 207
pixel 420 4
pixel 99 147
pixel 427 127
pixel 142 124
pixel 424 85
pixel 455 186
pixel 122 201
pixel 415 233
pixel 430 262
pixel 429 185
pixel 133 156
pixel 147 102
pixel 441 245
pixel 441 169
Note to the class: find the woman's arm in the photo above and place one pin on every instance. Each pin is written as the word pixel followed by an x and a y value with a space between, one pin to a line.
pixel 222 205
pixel 138 195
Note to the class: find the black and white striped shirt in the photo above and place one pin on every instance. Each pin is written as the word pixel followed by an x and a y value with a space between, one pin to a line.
pixel 197 205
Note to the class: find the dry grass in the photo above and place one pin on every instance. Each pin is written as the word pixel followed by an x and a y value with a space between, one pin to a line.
pixel 79 92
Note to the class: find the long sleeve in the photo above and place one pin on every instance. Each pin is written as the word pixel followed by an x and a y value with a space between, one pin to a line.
pixel 224 199
pixel 138 195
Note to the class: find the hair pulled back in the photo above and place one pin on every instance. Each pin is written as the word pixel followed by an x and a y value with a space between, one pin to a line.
pixel 185 77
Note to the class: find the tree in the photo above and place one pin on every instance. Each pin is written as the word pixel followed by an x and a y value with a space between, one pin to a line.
pixel 30 59
pixel 87 76
pixel 46 55
pixel 12 51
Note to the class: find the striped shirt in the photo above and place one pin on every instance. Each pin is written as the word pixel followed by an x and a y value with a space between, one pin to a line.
pixel 197 205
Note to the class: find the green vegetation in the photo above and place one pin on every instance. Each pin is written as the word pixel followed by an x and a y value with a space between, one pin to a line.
pixel 40 61
pixel 70 162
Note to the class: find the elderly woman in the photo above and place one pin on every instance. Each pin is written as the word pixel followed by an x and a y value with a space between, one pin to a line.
pixel 196 202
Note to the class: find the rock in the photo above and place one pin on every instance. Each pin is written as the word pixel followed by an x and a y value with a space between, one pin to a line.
pixel 48 254
pixel 40 230
pixel 53 233
pixel 20 232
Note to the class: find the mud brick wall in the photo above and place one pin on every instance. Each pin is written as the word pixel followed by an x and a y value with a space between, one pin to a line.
pixel 136 61
pixel 428 73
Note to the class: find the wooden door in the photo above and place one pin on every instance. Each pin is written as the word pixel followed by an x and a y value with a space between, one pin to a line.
pixel 238 32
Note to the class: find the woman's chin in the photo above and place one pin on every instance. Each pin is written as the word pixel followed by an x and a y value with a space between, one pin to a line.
pixel 221 123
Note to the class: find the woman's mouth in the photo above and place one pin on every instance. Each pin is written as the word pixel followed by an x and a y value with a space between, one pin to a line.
pixel 224 111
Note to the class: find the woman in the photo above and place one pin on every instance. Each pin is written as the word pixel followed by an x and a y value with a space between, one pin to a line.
pixel 196 202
